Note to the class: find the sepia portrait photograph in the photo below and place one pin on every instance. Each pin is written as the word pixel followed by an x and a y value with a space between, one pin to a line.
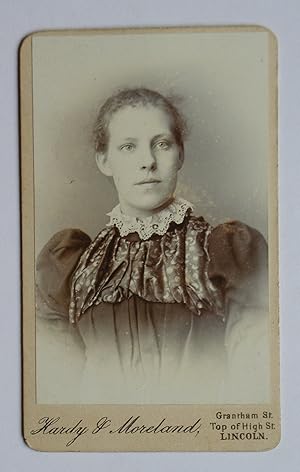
pixel 151 217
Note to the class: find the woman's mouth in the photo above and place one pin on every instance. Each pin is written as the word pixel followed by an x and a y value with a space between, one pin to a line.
pixel 148 181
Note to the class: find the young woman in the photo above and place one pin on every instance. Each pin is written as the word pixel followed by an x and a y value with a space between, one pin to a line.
pixel 161 303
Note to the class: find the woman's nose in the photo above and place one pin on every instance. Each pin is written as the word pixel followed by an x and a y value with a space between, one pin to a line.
pixel 148 159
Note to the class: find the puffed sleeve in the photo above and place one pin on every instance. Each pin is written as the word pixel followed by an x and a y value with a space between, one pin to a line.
pixel 239 269
pixel 59 346
pixel 54 269
pixel 238 263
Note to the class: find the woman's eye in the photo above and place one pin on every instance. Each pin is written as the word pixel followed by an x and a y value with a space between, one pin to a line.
pixel 162 145
pixel 127 147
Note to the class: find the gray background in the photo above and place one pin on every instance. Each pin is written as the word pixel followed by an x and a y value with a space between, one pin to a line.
pixel 223 81
pixel 21 18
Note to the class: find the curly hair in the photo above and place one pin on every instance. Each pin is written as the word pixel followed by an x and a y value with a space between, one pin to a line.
pixel 135 97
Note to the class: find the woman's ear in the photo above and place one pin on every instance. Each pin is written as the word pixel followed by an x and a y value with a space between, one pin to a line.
pixel 180 159
pixel 103 164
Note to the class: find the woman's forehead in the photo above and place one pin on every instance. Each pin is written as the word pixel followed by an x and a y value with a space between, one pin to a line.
pixel 140 119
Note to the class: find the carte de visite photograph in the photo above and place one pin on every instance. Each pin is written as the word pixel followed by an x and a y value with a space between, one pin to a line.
pixel 149 206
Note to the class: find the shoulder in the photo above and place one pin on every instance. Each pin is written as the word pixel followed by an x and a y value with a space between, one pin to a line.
pixel 67 238
pixel 62 251
pixel 239 262
pixel 237 243
pixel 55 266
pixel 233 243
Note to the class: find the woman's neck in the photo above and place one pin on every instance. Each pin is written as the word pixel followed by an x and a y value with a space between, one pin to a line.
pixel 141 212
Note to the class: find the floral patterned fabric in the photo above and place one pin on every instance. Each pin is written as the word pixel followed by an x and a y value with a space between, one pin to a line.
pixel 172 268
pixel 151 316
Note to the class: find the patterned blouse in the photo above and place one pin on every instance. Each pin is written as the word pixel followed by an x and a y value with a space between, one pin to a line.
pixel 153 303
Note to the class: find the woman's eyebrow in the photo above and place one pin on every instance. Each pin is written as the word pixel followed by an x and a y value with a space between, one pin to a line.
pixel 128 138
pixel 162 135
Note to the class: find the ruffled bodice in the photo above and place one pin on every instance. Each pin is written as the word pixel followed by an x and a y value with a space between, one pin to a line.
pixel 161 307
pixel 172 268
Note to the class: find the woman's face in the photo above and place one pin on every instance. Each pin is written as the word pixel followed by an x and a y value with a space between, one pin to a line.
pixel 143 158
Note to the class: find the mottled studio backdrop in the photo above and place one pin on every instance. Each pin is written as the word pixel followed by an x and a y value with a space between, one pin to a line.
pixel 223 81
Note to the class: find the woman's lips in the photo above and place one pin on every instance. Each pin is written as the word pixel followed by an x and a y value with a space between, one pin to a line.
pixel 148 181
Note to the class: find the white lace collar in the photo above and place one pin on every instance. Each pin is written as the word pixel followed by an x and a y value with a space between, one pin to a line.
pixel 154 224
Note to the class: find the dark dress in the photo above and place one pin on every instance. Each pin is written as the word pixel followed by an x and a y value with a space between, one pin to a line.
pixel 156 320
